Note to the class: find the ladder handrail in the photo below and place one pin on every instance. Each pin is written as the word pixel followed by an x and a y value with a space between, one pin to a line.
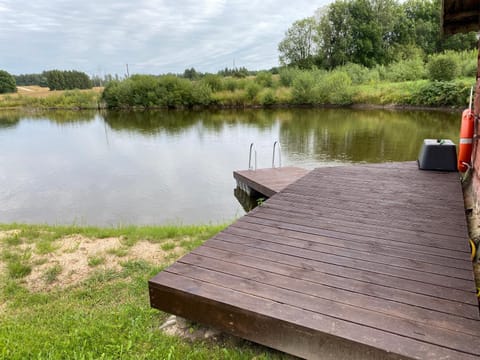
pixel 279 154
pixel 252 146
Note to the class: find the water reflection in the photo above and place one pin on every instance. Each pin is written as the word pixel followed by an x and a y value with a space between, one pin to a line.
pixel 9 120
pixel 61 117
pixel 175 122
pixel 340 135
pixel 153 167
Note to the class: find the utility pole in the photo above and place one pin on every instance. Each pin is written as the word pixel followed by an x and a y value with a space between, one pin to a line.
pixel 128 72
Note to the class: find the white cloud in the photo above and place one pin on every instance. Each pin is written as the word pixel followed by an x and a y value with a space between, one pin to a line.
pixel 153 36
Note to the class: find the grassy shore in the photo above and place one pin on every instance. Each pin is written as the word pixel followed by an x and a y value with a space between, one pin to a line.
pixel 307 89
pixel 36 97
pixel 81 293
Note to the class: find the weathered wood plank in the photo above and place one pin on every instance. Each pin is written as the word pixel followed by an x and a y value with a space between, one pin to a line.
pixel 430 317
pixel 268 182
pixel 418 238
pixel 442 268
pixel 399 273
pixel 393 231
pixel 376 255
pixel 373 277
pixel 385 320
pixel 233 312
pixel 372 210
pixel 361 286
pixel 371 247
pixel 364 216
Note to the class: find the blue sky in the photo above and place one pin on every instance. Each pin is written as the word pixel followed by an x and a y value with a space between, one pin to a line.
pixel 152 36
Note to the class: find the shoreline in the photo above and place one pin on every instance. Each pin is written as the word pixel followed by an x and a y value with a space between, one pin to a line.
pixel 360 106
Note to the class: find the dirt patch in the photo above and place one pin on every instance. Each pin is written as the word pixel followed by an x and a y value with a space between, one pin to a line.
pixel 3 269
pixel 147 251
pixel 76 257
pixel 7 233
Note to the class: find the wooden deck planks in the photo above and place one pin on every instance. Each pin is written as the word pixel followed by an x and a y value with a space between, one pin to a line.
pixel 378 258
pixel 268 182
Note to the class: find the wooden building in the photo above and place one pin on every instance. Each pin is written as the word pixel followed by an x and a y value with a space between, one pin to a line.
pixel 459 17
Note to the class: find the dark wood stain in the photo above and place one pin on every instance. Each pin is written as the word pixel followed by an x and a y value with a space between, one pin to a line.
pixel 374 255
pixel 268 182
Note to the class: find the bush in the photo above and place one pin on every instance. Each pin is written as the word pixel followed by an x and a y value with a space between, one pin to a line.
pixel 467 62
pixel 469 68
pixel 7 83
pixel 287 75
pixel 70 99
pixel 335 89
pixel 267 98
pixel 213 81
pixel 201 94
pixel 252 91
pixel 230 84
pixel 264 79
pixel 442 67
pixel 360 74
pixel 303 88
pixel 405 70
pixel 156 91
pixel 443 93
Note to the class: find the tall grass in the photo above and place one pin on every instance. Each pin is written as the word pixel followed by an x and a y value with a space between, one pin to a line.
pixel 71 99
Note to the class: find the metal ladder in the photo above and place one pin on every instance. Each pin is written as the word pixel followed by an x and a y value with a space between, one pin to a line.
pixel 253 150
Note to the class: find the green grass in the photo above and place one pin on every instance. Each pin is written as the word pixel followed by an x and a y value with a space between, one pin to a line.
pixel 106 316
pixel 69 99
pixel 18 269
pixel 17 263
pixel 168 246
pixel 96 260
pixel 51 273
pixel 119 252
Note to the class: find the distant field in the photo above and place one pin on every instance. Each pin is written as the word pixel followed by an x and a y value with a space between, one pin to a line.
pixel 42 92
pixel 36 97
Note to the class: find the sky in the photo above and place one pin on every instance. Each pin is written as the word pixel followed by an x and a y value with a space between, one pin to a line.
pixel 151 36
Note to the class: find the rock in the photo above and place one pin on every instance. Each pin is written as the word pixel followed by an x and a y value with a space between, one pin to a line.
pixel 211 333
pixel 171 321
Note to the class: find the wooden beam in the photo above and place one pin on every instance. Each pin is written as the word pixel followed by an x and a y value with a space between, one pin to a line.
pixel 461 16
pixel 477 90
pixel 476 110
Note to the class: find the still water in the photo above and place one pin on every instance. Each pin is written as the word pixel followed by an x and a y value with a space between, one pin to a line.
pixel 121 168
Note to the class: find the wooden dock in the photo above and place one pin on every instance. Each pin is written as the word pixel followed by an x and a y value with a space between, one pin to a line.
pixel 372 256
pixel 268 182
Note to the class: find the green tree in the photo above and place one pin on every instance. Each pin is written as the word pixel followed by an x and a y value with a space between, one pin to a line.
pixel 191 74
pixel 30 79
pixel 335 35
pixel 67 80
pixel 360 31
pixel 423 22
pixel 460 42
pixel 299 46
pixel 369 32
pixel 7 83
pixel 422 18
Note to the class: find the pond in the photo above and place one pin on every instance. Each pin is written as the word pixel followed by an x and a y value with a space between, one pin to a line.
pixel 172 167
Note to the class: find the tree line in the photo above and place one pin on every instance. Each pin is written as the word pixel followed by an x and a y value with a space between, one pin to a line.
pixel 369 33
pixel 53 79
pixel 67 80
